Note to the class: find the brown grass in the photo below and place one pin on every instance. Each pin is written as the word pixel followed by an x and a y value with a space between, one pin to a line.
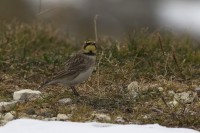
pixel 30 53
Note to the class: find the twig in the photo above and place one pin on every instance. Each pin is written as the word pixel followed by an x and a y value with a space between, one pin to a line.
pixel 157 110
pixel 95 27
pixel 46 11
pixel 161 44
pixel 164 101
pixel 175 59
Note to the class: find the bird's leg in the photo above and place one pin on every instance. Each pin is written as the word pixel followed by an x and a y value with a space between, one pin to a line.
pixel 74 91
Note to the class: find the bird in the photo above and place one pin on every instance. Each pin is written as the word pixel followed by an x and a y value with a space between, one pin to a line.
pixel 77 69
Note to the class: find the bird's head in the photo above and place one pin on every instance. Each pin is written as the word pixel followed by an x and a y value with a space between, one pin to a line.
pixel 89 48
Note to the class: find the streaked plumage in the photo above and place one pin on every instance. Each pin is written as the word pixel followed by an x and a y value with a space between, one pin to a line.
pixel 77 69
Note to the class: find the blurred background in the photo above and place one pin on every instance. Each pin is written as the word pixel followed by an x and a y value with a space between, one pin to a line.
pixel 116 17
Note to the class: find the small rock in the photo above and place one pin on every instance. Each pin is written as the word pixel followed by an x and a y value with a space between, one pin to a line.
pixel 33 116
pixel 101 117
pixel 26 95
pixel 171 93
pixel 7 106
pixel 46 119
pixel 62 117
pixel 65 101
pixel 185 97
pixel 161 89
pixel 173 103
pixel 133 88
pixel 13 113
pixel 3 122
pixel 119 119
pixel 145 117
pixel 8 116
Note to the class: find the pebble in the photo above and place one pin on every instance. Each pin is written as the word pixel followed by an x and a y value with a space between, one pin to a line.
pixel 146 116
pixel 26 95
pixel 119 119
pixel 185 97
pixel 8 116
pixel 171 93
pixel 173 103
pixel 3 122
pixel 161 89
pixel 62 117
pixel 7 106
pixel 101 117
pixel 33 116
pixel 65 101
pixel 133 88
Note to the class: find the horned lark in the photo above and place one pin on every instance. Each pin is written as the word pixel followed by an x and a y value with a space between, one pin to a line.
pixel 77 69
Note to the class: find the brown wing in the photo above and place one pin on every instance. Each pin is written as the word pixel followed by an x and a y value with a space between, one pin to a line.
pixel 75 61
pixel 73 67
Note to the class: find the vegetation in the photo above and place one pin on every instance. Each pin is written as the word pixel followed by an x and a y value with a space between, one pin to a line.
pixel 30 53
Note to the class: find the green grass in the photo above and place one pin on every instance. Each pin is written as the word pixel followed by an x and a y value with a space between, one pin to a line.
pixel 31 52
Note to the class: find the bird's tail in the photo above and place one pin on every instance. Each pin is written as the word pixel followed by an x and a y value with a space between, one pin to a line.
pixel 46 83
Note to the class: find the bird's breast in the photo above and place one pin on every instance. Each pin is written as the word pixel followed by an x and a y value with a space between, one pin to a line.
pixel 83 76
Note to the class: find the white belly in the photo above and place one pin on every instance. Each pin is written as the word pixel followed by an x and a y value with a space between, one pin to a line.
pixel 80 78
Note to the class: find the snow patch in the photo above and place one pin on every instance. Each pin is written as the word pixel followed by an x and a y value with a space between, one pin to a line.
pixel 37 126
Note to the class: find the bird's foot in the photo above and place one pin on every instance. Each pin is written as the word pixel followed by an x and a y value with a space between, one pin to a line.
pixel 75 91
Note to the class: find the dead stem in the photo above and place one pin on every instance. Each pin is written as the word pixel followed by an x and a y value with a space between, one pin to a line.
pixel 161 44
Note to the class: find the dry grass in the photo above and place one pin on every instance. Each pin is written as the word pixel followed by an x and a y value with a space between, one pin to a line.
pixel 30 53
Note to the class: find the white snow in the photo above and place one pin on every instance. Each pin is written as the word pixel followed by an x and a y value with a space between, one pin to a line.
pixel 37 126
